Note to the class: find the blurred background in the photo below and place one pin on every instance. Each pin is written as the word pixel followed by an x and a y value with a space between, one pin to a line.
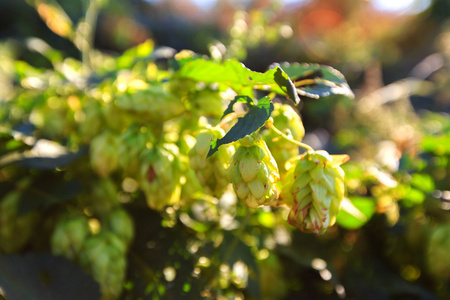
pixel 372 42
pixel 355 34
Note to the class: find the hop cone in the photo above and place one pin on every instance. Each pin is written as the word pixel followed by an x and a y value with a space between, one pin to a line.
pixel 132 144
pixel 438 249
pixel 15 229
pixel 69 235
pixel 102 196
pixel 103 152
pixel 153 103
pixel 211 172
pixel 160 177
pixel 287 120
pixel 103 256
pixel 314 188
pixel 207 103
pixel 119 222
pixel 254 173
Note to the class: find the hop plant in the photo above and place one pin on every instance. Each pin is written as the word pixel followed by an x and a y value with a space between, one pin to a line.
pixel 284 116
pixel 132 145
pixel 93 121
pixel 207 103
pixel 151 103
pixel 103 153
pixel 160 177
pixel 119 222
pixel 102 197
pixel 212 172
pixel 15 229
pixel 103 256
pixel 254 173
pixel 116 118
pixel 69 235
pixel 314 188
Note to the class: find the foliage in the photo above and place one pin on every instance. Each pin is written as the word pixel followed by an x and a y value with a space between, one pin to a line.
pixel 176 177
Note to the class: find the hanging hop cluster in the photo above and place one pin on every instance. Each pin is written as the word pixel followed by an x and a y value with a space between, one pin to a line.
pixel 254 173
pixel 160 176
pixel 211 173
pixel 313 189
pixel 96 256
pixel 94 251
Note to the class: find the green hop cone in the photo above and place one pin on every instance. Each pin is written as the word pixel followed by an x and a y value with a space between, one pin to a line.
pixel 314 188
pixel 437 252
pixel 286 119
pixel 15 229
pixel 104 257
pixel 132 145
pixel 119 222
pixel 102 196
pixel 103 153
pixel 160 177
pixel 254 173
pixel 207 103
pixel 211 172
pixel 69 235
pixel 153 103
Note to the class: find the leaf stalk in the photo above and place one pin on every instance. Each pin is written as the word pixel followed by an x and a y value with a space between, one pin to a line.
pixel 285 137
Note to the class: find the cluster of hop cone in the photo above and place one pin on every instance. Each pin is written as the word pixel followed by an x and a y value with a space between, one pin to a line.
pixel 267 169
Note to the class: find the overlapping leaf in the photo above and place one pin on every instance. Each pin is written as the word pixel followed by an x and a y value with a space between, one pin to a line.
pixel 256 116
pixel 235 75
pixel 315 81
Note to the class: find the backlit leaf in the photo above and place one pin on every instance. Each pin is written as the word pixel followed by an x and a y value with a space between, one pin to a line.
pixel 355 212
pixel 249 123
pixel 315 81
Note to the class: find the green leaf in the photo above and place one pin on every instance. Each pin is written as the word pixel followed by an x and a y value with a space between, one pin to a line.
pixel 439 145
pixel 234 74
pixel 242 99
pixel 315 81
pixel 266 104
pixel 182 58
pixel 285 83
pixel 132 55
pixel 311 71
pixel 423 182
pixel 413 197
pixel 249 123
pixel 355 212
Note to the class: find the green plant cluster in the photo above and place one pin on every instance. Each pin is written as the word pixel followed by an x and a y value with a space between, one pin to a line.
pixel 169 175
pixel 126 132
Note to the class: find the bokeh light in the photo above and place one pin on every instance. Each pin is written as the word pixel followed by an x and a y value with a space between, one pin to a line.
pixel 401 6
